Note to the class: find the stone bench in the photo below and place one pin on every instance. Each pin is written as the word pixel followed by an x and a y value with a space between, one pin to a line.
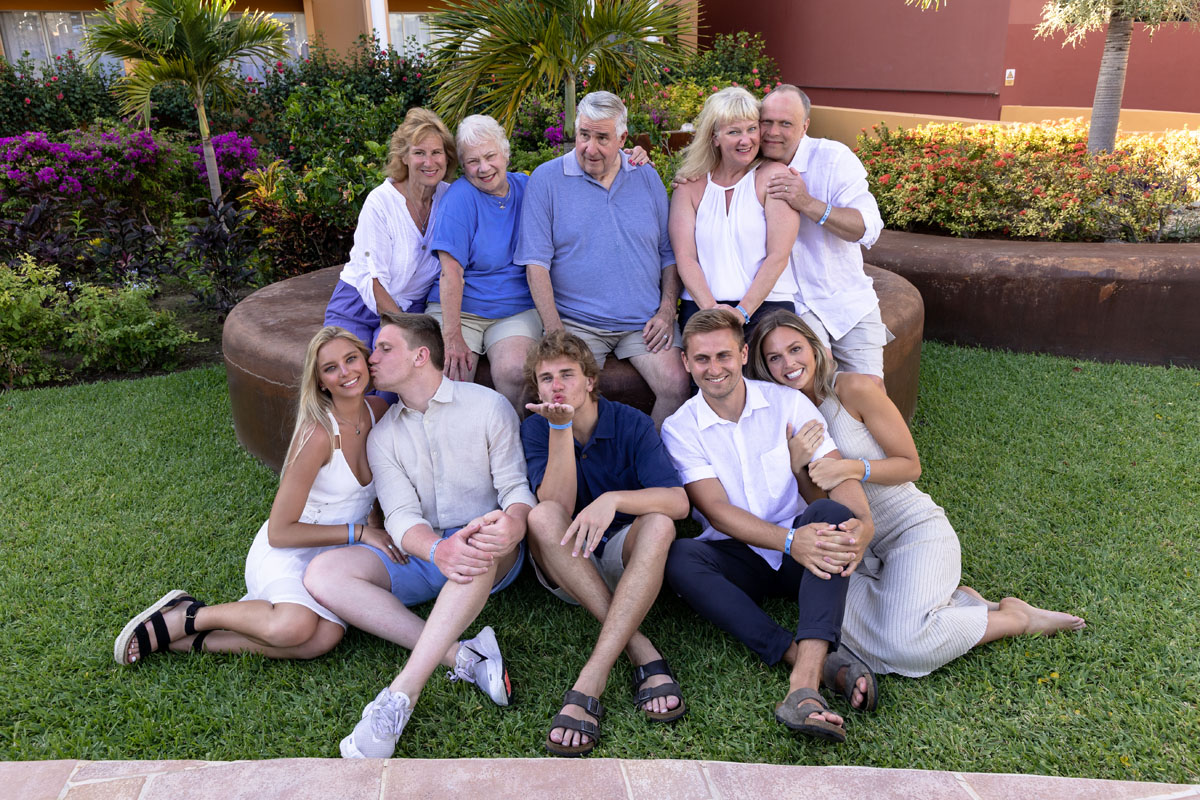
pixel 266 335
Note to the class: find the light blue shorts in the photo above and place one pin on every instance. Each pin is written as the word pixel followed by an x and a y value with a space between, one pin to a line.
pixel 419 581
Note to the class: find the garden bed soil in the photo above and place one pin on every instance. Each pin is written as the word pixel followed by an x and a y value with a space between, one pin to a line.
pixel 1102 301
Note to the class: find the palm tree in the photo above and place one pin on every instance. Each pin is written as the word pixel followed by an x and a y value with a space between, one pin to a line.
pixel 1078 18
pixel 492 54
pixel 193 42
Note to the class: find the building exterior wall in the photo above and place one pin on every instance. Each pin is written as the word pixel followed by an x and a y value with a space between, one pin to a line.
pixel 883 54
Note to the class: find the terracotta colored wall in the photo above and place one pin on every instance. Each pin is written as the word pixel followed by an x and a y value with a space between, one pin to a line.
pixel 880 54
pixel 884 55
pixel 339 22
pixel 1163 72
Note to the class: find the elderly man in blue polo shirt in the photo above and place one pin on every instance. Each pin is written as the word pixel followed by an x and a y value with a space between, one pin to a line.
pixel 608 496
pixel 594 243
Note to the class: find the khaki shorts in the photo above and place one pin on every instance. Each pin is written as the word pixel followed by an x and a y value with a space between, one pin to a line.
pixel 609 565
pixel 622 344
pixel 481 333
pixel 861 349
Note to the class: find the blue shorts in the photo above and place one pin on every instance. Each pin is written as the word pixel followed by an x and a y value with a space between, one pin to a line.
pixel 347 310
pixel 419 581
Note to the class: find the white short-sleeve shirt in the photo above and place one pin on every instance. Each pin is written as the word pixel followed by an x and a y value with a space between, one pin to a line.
pixel 750 457
pixel 389 246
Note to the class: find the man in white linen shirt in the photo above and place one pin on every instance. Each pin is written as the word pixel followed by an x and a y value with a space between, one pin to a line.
pixel 731 444
pixel 827 184
pixel 450 474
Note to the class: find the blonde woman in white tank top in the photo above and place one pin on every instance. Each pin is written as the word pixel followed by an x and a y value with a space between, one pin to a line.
pixel 732 242
pixel 906 611
pixel 326 498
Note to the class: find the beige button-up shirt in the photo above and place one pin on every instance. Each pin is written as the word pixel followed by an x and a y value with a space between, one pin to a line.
pixel 460 459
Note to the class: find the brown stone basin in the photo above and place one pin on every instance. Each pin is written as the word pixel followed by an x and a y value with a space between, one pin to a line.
pixel 266 334
pixel 1103 301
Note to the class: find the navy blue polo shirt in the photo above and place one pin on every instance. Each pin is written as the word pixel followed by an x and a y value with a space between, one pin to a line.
pixel 625 453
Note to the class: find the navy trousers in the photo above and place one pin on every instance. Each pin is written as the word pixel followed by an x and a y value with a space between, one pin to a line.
pixel 726 582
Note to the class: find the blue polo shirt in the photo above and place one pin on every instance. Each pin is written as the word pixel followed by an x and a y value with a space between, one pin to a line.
pixel 605 248
pixel 471 227
pixel 625 453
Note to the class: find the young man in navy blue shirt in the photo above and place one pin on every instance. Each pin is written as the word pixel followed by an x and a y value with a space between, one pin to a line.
pixel 608 496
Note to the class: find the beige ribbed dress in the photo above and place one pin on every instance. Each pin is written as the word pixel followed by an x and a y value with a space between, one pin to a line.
pixel 903 611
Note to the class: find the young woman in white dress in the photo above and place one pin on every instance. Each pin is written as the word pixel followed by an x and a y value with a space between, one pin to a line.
pixel 906 611
pixel 326 498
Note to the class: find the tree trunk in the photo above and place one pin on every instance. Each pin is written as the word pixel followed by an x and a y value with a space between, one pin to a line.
pixel 1110 85
pixel 569 112
pixel 210 155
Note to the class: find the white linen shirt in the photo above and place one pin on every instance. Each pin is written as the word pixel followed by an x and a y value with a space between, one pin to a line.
pixel 459 460
pixel 828 269
pixel 750 457
pixel 389 246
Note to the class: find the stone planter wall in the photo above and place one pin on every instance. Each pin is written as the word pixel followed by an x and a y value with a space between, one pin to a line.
pixel 1109 302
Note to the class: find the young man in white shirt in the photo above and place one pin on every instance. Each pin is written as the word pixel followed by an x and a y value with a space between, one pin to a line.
pixel 450 474
pixel 761 538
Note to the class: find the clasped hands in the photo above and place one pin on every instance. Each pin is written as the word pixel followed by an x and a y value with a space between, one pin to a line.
pixel 822 548
pixel 471 549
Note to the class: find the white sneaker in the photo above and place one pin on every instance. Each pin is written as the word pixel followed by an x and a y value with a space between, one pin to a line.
pixel 382 722
pixel 478 661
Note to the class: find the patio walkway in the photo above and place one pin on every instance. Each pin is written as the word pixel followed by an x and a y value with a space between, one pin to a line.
pixel 532 779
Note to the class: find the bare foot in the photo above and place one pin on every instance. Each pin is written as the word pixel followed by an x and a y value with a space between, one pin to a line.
pixel 1041 620
pixel 858 695
pixel 573 738
pixel 991 605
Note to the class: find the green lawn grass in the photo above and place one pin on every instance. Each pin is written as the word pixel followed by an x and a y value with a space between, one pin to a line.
pixel 1072 484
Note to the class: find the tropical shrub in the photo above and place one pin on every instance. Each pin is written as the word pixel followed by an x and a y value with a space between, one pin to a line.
pixel 236 155
pixel 307 218
pixel 55 95
pixel 49 330
pixel 1032 181
pixel 735 58
pixel 220 255
pixel 327 122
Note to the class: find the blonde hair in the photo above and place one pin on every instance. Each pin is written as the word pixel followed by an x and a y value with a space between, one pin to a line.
pixel 711 320
pixel 720 109
pixel 418 123
pixel 823 367
pixel 315 405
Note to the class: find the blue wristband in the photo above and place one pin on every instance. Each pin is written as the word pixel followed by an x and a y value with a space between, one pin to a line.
pixel 825 216
pixel 562 427
pixel 433 549
pixel 349 533
pixel 866 470
pixel 744 313
pixel 787 543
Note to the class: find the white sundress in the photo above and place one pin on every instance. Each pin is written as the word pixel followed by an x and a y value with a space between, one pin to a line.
pixel 276 574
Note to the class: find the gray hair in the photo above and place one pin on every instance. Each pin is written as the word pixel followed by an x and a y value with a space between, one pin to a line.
pixel 598 106
pixel 480 129
pixel 796 90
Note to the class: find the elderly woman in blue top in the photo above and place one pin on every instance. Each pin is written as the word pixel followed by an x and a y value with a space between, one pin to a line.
pixel 482 299
pixel 392 265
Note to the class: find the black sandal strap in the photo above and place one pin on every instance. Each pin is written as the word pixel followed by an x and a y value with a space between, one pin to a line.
pixel 584 726
pixel 189 620
pixel 162 639
pixel 588 703
pixel 644 696
pixel 198 642
pixel 650 669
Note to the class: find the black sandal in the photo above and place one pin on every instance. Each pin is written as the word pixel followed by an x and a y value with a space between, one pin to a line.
pixel 670 689
pixel 136 628
pixel 588 728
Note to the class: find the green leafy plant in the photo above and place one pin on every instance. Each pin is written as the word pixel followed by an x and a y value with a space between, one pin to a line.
pixel 29 323
pixel 491 55
pixel 328 122
pixel 54 95
pixel 736 58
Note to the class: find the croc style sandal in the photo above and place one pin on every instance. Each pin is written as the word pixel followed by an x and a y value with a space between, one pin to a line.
pixel 795 710
pixel 588 728
pixel 136 628
pixel 844 658
pixel 643 696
